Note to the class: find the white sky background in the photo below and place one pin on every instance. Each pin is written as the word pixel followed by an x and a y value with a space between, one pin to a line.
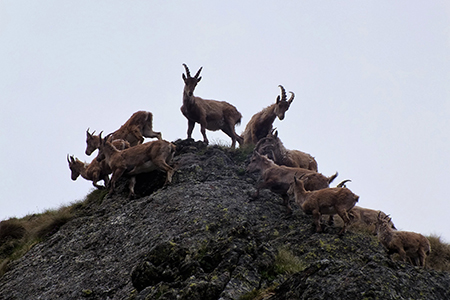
pixel 371 78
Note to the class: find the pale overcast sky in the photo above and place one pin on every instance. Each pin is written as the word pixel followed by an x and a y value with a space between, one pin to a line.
pixel 371 78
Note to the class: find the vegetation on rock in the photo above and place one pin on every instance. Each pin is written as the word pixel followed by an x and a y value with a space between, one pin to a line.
pixel 202 238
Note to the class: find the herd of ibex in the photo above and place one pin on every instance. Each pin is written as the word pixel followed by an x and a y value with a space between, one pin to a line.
pixel 289 173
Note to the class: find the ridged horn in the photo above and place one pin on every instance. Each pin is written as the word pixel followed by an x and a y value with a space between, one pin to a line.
pixel 342 183
pixel 198 72
pixel 283 93
pixel 188 74
pixel 292 96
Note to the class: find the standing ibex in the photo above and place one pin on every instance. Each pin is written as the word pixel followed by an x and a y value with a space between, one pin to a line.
pixel 411 245
pixel 329 201
pixel 210 114
pixel 139 159
pixel 272 146
pixel 260 125
pixel 138 126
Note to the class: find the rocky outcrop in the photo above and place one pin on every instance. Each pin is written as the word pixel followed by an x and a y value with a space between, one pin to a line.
pixel 203 238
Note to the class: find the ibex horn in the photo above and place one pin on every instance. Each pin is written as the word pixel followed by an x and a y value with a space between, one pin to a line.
pixel 198 72
pixel 342 183
pixel 283 93
pixel 292 96
pixel 89 134
pixel 188 74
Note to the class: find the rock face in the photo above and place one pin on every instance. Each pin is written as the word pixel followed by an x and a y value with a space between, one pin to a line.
pixel 202 238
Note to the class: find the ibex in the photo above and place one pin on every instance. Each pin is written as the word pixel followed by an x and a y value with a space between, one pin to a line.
pixel 260 125
pixel 328 201
pixel 141 158
pixel 279 178
pixel 210 114
pixel 272 146
pixel 411 245
pixel 96 170
pixel 367 217
pixel 138 126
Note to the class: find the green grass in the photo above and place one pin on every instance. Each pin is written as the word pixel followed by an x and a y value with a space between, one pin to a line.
pixel 439 258
pixel 18 236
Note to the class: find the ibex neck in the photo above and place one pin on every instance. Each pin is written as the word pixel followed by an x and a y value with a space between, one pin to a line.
pixel 82 169
pixel 385 234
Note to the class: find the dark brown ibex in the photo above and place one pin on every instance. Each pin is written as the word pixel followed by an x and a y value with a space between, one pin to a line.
pixel 260 125
pixel 210 114
pixel 272 146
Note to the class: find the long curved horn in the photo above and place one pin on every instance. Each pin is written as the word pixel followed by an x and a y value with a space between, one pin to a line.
pixel 342 183
pixel 198 72
pixel 283 93
pixel 292 97
pixel 188 74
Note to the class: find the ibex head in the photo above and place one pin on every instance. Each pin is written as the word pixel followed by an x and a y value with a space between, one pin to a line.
pixel 91 142
pixel 72 166
pixel 282 103
pixel 191 82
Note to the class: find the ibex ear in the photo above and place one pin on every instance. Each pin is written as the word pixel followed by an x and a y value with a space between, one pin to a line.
pixel 200 78
pixel 184 77
pixel 278 99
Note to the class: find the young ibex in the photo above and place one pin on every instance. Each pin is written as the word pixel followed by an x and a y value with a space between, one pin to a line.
pixel 328 201
pixel 96 170
pixel 141 158
pixel 279 178
pixel 138 126
pixel 260 125
pixel 210 114
pixel 411 245
pixel 272 146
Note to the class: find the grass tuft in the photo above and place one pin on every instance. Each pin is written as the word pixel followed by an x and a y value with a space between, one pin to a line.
pixel 439 258
pixel 18 236
pixel 287 263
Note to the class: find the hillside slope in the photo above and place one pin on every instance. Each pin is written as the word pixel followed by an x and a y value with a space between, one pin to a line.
pixel 201 238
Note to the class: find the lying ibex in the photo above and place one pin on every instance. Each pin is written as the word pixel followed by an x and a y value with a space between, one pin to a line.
pixel 279 178
pixel 141 158
pixel 96 170
pixel 210 114
pixel 328 201
pixel 138 126
pixel 367 217
pixel 411 245
pixel 260 125
pixel 272 146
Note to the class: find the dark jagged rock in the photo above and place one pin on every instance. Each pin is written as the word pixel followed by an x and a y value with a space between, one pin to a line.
pixel 202 238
